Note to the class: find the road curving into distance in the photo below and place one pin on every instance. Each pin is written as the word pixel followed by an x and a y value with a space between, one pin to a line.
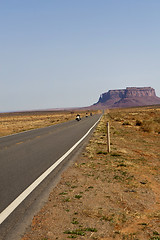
pixel 28 158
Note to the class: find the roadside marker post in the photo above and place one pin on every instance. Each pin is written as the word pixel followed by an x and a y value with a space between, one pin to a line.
pixel 108 138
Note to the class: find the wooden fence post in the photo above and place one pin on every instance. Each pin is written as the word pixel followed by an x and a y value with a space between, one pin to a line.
pixel 108 138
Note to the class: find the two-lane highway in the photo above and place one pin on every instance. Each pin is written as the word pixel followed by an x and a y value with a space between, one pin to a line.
pixel 25 157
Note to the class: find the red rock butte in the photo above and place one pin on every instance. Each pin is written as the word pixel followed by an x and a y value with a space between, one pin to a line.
pixel 129 97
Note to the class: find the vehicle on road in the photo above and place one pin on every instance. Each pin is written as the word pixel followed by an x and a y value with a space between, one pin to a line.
pixel 78 118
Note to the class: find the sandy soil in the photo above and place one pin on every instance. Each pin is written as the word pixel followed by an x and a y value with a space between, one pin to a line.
pixel 11 123
pixel 104 195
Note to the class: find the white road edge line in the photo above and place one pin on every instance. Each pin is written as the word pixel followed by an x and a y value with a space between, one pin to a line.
pixel 7 211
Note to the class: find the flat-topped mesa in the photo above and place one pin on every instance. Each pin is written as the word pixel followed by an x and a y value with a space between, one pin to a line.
pixel 111 94
pixel 129 92
pixel 140 92
pixel 131 96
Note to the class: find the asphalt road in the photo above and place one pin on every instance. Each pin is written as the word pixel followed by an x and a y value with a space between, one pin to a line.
pixel 26 156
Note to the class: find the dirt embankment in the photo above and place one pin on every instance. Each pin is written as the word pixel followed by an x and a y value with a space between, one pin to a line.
pixel 109 196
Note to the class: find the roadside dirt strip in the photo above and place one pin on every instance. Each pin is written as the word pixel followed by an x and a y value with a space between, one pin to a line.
pixel 5 213
pixel 107 196
pixel 32 160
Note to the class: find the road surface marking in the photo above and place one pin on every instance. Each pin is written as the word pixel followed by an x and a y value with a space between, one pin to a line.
pixel 7 211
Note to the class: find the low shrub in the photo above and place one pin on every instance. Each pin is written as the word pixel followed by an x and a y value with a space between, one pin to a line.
pixel 101 152
pixel 126 123
pixel 138 123
pixel 150 126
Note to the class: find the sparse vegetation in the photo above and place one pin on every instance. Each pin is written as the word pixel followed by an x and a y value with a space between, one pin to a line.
pixel 74 221
pixel 118 192
pixel 78 196
pixel 138 122
pixel 150 126
pixel 11 123
pixel 102 152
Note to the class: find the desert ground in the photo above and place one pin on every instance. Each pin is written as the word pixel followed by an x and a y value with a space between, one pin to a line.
pixel 105 195
pixel 11 123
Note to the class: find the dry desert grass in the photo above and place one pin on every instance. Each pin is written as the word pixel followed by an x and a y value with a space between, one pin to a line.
pixel 11 123
pixel 109 196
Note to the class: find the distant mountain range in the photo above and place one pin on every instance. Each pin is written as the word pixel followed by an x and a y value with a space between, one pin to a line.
pixel 129 97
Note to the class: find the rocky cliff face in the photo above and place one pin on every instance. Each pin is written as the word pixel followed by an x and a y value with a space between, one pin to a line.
pixel 128 97
pixel 140 92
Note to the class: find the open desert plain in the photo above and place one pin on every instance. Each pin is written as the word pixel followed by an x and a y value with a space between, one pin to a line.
pixel 103 195
pixel 11 123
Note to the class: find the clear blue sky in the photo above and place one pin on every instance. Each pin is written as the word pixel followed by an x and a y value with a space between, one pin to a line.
pixel 65 53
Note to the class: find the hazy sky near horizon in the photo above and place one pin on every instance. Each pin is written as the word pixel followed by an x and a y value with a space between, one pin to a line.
pixel 65 53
